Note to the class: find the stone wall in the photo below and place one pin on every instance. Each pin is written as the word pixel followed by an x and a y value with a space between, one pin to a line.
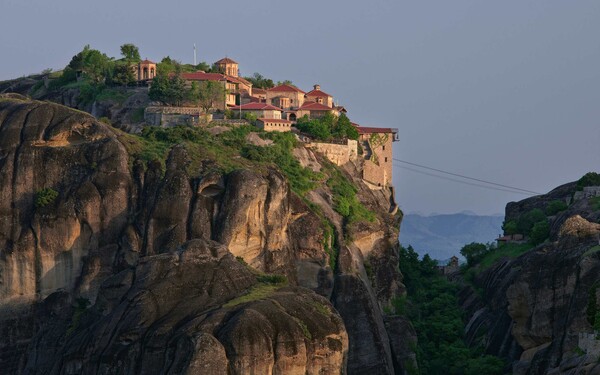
pixel 172 116
pixel 338 154
pixel 587 192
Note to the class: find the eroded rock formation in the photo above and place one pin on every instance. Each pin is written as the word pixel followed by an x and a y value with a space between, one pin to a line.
pixel 130 268
pixel 538 309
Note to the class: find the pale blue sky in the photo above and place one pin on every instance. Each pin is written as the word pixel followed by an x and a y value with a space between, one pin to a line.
pixel 507 91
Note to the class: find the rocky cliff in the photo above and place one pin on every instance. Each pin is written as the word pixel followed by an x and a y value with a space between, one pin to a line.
pixel 113 265
pixel 539 310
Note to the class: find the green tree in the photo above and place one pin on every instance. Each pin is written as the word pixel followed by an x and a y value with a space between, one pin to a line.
pixel 555 207
pixel 318 128
pixel 208 94
pixel 261 82
pixel 167 66
pixel 123 74
pixel 203 66
pixel 528 219
pixel 539 232
pixel 130 52
pixel 250 117
pixel 510 227
pixel 433 308
pixel 94 64
pixel 169 90
pixel 473 252
pixel 589 179
pixel 343 128
pixel 285 82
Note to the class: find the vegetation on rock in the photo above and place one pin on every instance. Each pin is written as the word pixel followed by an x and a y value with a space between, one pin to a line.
pixel 328 127
pixel 433 308
pixel 589 179
pixel 45 196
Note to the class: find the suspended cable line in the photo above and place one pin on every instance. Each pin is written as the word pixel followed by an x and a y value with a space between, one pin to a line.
pixel 467 177
pixel 461 182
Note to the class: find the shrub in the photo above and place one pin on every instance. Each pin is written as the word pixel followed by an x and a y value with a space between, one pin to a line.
pixel 539 232
pixel 589 179
pixel 528 219
pixel 510 227
pixel 250 117
pixel 474 252
pixel 45 196
pixel 272 279
pixel 105 120
pixel 555 207
pixel 345 201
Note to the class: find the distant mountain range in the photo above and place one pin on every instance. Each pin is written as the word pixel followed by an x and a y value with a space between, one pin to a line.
pixel 442 236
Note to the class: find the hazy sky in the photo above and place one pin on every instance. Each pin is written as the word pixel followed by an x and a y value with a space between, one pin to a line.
pixel 507 91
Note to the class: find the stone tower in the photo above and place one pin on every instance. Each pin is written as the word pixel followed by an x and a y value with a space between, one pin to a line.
pixel 228 67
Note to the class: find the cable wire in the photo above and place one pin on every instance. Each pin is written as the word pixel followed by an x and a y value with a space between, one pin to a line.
pixel 467 177
pixel 461 182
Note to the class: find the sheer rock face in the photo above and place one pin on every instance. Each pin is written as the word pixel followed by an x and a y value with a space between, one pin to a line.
pixel 153 254
pixel 537 306
pixel 45 146
pixel 167 316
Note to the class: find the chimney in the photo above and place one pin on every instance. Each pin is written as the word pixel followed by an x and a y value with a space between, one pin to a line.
pixel 317 87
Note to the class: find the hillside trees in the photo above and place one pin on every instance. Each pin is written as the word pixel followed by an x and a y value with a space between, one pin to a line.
pixel 261 82
pixel 123 74
pixel 170 90
pixel 92 63
pixel 432 306
pixel 130 52
pixel 207 94
pixel 328 127
pixel 474 252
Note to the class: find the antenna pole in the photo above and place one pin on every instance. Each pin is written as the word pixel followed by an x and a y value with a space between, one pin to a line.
pixel 195 54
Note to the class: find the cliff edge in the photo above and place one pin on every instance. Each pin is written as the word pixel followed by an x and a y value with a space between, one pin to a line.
pixel 115 263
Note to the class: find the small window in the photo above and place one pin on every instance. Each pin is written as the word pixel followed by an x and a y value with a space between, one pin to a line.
pixel 383 147
pixel 386 159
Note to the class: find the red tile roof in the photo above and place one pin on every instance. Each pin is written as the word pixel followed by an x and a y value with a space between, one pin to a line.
pixel 318 93
pixel 201 76
pixel 226 60
pixel 257 107
pixel 147 62
pixel 285 88
pixel 276 120
pixel 312 106
pixel 239 80
pixel 256 90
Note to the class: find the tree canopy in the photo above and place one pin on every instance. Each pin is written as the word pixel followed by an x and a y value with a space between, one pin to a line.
pixel 433 308
pixel 207 94
pixel 261 82
pixel 130 52
pixel 328 127
pixel 170 90
pixel 92 63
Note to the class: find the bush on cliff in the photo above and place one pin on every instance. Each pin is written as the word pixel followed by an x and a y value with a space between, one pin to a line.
pixel 589 179
pixel 45 196
pixel 555 207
